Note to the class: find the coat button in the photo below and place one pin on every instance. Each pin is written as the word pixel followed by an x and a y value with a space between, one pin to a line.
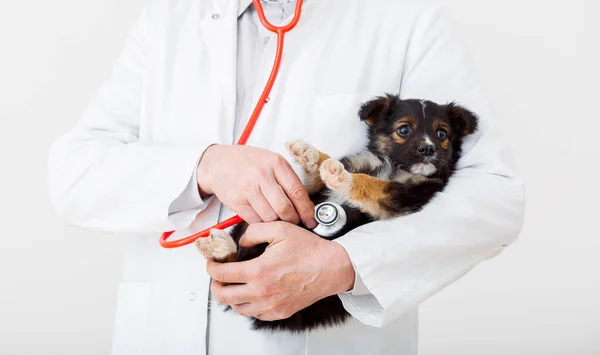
pixel 266 40
pixel 215 16
pixel 268 99
pixel 192 296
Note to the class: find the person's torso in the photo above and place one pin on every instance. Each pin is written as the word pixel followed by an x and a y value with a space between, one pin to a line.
pixel 341 54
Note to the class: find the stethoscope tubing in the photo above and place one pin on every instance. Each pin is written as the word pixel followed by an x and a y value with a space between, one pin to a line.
pixel 280 31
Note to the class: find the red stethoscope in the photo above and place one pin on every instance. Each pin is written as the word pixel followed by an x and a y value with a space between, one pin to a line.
pixel 280 31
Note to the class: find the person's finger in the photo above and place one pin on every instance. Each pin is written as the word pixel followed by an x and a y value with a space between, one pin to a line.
pixel 296 192
pixel 251 309
pixel 232 295
pixel 279 201
pixel 267 316
pixel 262 207
pixel 248 214
pixel 260 233
pixel 229 272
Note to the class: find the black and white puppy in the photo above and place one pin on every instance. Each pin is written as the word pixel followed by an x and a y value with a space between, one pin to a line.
pixel 412 152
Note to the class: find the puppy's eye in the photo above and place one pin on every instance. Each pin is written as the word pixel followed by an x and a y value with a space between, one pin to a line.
pixel 404 131
pixel 442 133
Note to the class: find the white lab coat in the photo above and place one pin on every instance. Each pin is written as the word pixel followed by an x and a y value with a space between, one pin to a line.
pixel 172 93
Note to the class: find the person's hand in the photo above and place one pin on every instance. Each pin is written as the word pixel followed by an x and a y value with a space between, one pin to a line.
pixel 255 183
pixel 297 269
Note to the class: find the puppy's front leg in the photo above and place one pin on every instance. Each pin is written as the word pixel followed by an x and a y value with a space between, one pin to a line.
pixel 218 246
pixel 378 198
pixel 365 192
pixel 310 159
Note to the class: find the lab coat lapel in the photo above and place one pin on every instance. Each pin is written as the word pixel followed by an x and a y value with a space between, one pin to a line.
pixel 218 26
pixel 222 5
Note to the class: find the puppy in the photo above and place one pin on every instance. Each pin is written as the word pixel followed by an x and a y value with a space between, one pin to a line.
pixel 412 152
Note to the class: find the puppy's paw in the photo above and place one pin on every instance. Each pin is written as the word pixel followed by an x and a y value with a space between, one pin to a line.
pixel 335 176
pixel 417 179
pixel 218 246
pixel 205 247
pixel 304 154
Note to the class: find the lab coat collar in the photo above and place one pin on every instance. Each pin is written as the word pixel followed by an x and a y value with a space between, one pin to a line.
pixel 242 6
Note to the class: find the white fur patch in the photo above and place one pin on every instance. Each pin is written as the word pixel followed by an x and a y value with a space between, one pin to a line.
pixel 386 171
pixel 403 176
pixel 338 196
pixel 424 105
pixel 364 160
pixel 423 169
pixel 428 140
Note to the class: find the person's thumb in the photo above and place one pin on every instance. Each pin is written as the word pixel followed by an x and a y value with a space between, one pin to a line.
pixel 259 233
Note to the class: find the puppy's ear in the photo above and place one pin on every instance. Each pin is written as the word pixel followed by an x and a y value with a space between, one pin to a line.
pixel 463 121
pixel 372 111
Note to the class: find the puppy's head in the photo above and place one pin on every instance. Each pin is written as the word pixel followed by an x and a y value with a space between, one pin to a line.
pixel 421 136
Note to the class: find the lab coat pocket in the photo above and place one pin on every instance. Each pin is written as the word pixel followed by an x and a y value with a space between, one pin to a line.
pixel 338 129
pixel 131 318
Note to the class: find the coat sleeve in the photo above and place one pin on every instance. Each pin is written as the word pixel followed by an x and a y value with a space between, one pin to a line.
pixel 404 261
pixel 102 176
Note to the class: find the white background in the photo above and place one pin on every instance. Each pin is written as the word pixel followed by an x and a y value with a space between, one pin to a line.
pixel 540 62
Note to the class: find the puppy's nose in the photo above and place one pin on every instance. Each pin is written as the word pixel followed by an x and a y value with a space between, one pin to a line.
pixel 426 149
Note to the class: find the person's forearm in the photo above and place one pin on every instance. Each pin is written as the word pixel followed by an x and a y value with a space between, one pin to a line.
pixel 117 188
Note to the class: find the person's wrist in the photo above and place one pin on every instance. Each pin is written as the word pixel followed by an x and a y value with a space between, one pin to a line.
pixel 342 269
pixel 203 171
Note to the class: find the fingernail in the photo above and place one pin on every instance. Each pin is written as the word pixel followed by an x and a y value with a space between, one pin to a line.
pixel 311 224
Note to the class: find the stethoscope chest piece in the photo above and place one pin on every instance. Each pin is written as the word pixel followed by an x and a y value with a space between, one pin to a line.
pixel 331 218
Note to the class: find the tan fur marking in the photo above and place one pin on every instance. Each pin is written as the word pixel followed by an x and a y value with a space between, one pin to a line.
pixel 398 139
pixel 384 143
pixel 315 183
pixel 446 143
pixel 437 124
pixel 366 187
pixel 406 120
pixel 322 157
pixel 370 192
